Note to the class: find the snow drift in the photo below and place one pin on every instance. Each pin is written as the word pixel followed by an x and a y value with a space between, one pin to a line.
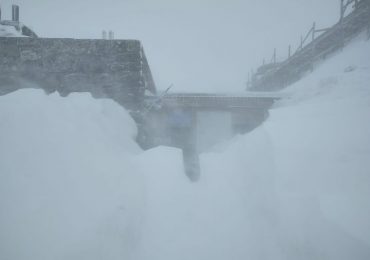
pixel 298 187
pixel 74 185
pixel 67 187
pixel 9 31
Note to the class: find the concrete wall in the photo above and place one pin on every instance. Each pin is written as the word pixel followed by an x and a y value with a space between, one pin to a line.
pixel 115 69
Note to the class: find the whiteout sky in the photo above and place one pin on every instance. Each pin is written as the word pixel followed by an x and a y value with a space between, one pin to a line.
pixel 199 45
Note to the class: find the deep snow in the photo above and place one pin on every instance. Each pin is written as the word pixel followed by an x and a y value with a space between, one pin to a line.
pixel 9 31
pixel 74 185
pixel 298 187
pixel 67 186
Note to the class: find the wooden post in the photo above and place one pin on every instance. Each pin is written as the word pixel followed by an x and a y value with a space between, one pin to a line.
pixel 249 81
pixel 343 10
pixel 289 51
pixel 313 31
pixel 111 35
pixel 313 48
pixel 356 4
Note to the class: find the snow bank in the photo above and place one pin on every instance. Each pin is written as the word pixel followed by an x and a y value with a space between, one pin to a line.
pixel 9 31
pixel 322 148
pixel 67 186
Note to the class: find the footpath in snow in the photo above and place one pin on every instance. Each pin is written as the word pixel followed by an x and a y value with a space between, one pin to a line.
pixel 74 185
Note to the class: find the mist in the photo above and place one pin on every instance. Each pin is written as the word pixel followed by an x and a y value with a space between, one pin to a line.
pixel 196 45
pixel 152 146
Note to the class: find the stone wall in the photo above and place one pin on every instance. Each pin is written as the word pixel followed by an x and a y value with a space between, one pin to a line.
pixel 115 69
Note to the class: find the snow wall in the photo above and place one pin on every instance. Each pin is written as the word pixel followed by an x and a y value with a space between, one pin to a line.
pixel 74 185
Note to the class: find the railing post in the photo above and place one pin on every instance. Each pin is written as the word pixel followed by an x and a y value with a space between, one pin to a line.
pixel 341 10
pixel 289 51
pixel 313 43
pixel 301 47
pixel 111 35
pixel 313 31
pixel 104 35
pixel 249 81
pixel 275 56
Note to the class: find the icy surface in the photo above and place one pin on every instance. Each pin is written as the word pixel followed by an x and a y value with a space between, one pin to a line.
pixel 73 184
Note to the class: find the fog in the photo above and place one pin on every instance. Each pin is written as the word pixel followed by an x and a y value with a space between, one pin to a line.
pixel 119 173
pixel 75 185
pixel 205 45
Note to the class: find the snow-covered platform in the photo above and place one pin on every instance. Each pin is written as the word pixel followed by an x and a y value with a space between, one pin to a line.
pixel 172 113
pixel 195 122
pixel 221 101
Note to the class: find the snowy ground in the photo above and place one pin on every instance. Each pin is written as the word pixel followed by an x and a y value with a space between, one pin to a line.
pixel 74 185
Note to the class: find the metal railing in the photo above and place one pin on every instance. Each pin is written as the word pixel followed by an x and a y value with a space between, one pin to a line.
pixel 308 38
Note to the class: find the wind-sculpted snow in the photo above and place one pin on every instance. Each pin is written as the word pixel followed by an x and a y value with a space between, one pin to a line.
pixel 67 187
pixel 74 185
pixel 298 187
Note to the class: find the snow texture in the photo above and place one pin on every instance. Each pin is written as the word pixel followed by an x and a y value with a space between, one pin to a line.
pixel 67 186
pixel 74 185
pixel 9 31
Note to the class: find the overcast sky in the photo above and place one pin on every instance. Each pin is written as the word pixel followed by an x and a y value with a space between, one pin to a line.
pixel 199 45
